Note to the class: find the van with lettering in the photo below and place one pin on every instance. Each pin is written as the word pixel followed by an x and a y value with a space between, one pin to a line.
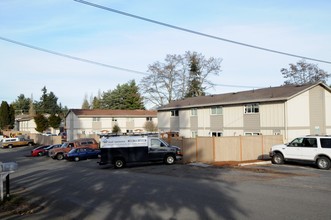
pixel 122 150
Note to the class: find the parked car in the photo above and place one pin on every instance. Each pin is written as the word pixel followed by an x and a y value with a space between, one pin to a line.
pixel 314 149
pixel 39 151
pixel 50 147
pixel 83 153
pixel 58 153
pixel 16 142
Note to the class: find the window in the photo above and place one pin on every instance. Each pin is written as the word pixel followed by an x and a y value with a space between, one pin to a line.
pixel 194 134
pixel 114 119
pixel 149 119
pixel 194 112
pixel 325 142
pixel 304 142
pixel 216 134
pixel 252 133
pixel 96 119
pixel 174 112
pixel 217 110
pixel 251 108
pixel 155 143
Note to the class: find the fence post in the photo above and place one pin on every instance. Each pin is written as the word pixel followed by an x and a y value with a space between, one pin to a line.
pixel 241 148
pixel 196 149
pixel 214 150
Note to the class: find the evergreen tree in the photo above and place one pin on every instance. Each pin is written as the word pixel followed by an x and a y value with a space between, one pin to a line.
pixel 11 117
pixel 54 121
pixel 21 104
pixel 125 96
pixel 41 123
pixel 195 83
pixel 48 103
pixel 5 117
pixel 96 103
pixel 86 104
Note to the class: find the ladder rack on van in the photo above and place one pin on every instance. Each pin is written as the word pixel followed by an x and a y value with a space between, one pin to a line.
pixel 130 134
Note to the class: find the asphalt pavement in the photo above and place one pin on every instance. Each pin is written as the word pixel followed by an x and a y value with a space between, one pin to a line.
pixel 84 190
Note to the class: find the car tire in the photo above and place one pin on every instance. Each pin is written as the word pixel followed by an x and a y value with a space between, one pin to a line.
pixel 40 154
pixel 169 159
pixel 119 163
pixel 277 159
pixel 30 144
pixel 59 156
pixel 323 163
pixel 76 159
pixel 10 146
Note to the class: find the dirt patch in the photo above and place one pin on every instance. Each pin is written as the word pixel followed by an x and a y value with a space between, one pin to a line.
pixel 234 163
pixel 18 205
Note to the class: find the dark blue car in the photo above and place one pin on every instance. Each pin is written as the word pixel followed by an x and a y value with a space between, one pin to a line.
pixel 83 153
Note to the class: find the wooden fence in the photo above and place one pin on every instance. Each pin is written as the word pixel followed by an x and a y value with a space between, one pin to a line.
pixel 218 149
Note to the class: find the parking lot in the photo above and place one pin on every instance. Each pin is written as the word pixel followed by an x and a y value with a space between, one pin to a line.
pixel 83 190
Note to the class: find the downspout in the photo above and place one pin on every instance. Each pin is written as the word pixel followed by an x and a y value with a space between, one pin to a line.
pixel 285 122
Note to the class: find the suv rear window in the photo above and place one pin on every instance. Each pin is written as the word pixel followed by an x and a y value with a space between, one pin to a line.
pixel 325 142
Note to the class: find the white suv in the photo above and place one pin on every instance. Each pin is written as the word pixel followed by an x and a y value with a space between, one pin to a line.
pixel 315 149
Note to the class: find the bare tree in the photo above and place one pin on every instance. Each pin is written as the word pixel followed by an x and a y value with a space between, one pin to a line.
pixel 303 72
pixel 170 80
pixel 163 84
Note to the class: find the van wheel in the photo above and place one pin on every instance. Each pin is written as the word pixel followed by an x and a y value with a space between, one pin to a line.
pixel 277 159
pixel 323 163
pixel 169 159
pixel 59 156
pixel 119 163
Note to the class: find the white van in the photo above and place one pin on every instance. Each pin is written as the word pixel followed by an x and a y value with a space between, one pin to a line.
pixel 120 150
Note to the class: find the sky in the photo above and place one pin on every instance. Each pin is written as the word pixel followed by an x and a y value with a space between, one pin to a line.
pixel 300 27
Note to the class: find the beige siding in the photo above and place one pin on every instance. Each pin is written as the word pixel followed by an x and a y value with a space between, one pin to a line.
pixel 252 122
pixel 184 121
pixel 163 120
pixel 216 122
pixel 298 111
pixel 328 112
pixel 272 115
pixel 194 123
pixel 317 110
pixel 233 117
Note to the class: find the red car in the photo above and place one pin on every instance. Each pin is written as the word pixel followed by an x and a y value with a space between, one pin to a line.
pixel 39 151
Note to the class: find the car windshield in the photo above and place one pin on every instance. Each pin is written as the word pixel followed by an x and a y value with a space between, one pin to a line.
pixel 64 145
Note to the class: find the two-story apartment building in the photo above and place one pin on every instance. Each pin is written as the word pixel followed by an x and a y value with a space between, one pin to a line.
pixel 288 110
pixel 95 121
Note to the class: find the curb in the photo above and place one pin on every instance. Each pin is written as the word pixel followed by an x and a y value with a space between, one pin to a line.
pixel 255 163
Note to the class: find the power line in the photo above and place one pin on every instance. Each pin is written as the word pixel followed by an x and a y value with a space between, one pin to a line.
pixel 200 33
pixel 71 57
pixel 98 63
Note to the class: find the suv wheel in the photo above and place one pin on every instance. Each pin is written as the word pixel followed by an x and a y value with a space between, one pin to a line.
pixel 76 159
pixel 323 163
pixel 277 159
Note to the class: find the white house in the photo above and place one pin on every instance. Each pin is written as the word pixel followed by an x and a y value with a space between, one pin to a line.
pixel 95 121
pixel 25 123
pixel 286 110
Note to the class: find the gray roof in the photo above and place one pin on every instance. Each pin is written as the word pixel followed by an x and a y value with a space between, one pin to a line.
pixel 271 94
